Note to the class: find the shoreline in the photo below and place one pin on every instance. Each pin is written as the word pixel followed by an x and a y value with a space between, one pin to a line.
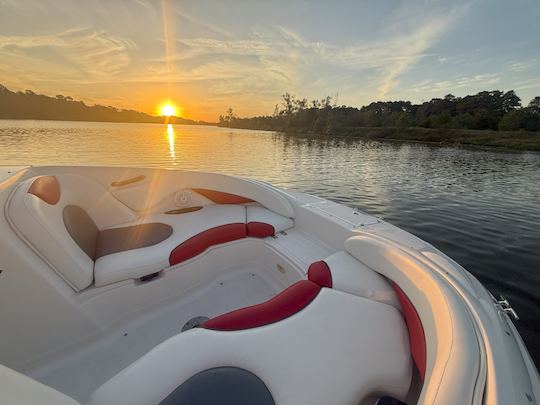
pixel 115 122
pixel 522 141
pixel 509 140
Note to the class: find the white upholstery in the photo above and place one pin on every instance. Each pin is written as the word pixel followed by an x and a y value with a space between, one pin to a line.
pixel 260 214
pixel 18 389
pixel 42 227
pixel 160 185
pixel 351 276
pixel 139 262
pixel 452 351
pixel 338 350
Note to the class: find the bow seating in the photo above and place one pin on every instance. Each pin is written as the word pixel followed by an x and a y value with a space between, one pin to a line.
pixel 283 305
pixel 351 276
pixel 310 344
pixel 88 236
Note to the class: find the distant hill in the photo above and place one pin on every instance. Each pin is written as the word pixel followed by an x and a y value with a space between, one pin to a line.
pixel 29 105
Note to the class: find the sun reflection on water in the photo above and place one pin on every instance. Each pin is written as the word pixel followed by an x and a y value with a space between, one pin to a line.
pixel 170 136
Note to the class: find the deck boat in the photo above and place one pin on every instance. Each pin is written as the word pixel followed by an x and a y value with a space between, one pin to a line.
pixel 154 286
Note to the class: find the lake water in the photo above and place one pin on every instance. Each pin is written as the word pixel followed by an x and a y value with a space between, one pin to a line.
pixel 480 207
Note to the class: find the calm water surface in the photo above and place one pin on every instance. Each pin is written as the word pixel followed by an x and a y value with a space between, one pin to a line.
pixel 482 208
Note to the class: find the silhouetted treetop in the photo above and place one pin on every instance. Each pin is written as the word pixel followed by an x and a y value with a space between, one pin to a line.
pixel 29 105
pixel 486 110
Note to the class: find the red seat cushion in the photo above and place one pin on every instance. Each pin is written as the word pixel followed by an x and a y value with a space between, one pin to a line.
pixel 319 273
pixel 46 188
pixel 219 197
pixel 283 305
pixel 260 229
pixel 417 339
pixel 202 241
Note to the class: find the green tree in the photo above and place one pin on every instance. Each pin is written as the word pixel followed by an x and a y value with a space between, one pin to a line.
pixel 524 118
pixel 534 105
pixel 288 104
pixel 510 101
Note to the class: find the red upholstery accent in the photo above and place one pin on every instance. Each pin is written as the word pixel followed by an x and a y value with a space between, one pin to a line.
pixel 417 339
pixel 260 229
pixel 46 188
pixel 220 197
pixel 319 273
pixel 283 305
pixel 199 243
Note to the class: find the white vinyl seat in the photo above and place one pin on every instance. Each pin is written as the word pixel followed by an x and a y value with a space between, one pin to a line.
pixel 453 356
pixel 351 276
pixel 135 263
pixel 86 235
pixel 339 349
pixel 36 209
pixel 226 222
pixel 262 215
pixel 18 389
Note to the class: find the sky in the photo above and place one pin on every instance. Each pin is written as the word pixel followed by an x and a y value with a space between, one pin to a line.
pixel 207 56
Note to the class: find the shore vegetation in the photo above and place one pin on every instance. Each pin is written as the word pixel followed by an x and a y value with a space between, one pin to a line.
pixel 489 118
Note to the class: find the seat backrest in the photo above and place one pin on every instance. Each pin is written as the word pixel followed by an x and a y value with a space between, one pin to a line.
pixel 321 347
pixel 59 217
pixel 287 303
pixel 451 357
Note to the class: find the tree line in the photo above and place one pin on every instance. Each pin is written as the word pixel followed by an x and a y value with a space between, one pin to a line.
pixel 495 110
pixel 29 105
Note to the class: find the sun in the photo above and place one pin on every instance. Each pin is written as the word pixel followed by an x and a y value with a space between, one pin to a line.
pixel 168 110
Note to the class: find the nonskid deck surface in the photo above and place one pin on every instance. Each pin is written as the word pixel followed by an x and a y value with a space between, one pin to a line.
pixel 80 371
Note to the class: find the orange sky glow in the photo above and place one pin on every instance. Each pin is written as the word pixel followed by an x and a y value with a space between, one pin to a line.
pixel 208 56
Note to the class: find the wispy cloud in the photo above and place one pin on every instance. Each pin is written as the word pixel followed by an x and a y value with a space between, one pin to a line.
pixel 270 60
pixel 416 28
pixel 206 25
pixel 484 81
pixel 90 54
pixel 481 81
pixel 527 84
pixel 522 66
pixel 247 58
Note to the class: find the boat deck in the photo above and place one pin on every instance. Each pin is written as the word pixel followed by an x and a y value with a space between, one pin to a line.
pixel 82 369
pixel 79 370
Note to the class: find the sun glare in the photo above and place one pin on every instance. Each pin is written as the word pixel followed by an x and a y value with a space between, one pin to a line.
pixel 168 110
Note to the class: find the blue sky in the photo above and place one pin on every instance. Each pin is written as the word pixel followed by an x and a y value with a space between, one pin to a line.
pixel 209 55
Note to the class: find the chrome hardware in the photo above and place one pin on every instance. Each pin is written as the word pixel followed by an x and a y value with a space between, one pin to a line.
pixel 506 307
pixel 512 312
pixel 503 302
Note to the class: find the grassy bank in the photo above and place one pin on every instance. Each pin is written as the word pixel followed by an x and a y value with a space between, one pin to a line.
pixel 518 140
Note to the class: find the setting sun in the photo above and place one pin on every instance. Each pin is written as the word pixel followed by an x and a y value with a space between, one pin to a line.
pixel 168 110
